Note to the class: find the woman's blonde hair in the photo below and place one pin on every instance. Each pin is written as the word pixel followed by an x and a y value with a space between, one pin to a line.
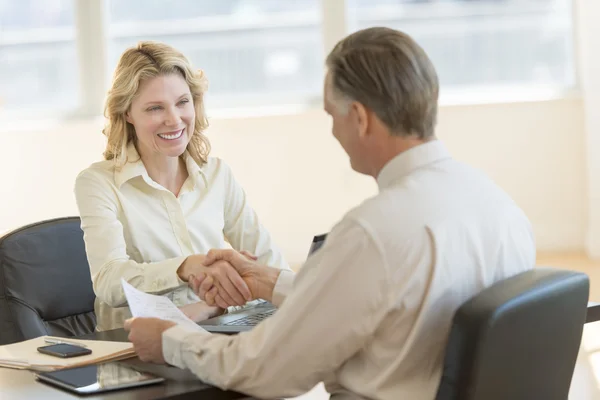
pixel 144 61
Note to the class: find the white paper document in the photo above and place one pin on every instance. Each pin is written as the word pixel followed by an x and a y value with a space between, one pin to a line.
pixel 151 306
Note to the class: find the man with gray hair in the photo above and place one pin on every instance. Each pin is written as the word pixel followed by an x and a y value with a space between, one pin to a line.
pixel 369 313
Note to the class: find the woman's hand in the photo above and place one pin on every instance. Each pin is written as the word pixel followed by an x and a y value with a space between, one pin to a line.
pixel 200 311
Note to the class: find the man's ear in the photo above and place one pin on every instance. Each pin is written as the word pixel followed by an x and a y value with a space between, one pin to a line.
pixel 361 115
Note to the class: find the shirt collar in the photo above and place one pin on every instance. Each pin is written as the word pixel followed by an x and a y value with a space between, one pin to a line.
pixel 134 167
pixel 410 160
pixel 194 170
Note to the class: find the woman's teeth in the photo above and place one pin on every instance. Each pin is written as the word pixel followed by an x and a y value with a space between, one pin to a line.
pixel 171 136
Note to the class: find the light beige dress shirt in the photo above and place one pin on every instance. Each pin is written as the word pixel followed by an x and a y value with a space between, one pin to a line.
pixel 137 230
pixel 369 313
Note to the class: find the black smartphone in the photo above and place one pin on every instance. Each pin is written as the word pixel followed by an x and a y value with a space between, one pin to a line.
pixel 64 350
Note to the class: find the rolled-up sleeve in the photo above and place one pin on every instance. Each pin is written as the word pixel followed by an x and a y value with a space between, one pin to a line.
pixel 310 336
pixel 106 248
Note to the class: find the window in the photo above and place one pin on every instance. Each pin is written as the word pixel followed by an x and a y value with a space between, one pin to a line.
pixel 483 44
pixel 271 52
pixel 38 61
pixel 254 52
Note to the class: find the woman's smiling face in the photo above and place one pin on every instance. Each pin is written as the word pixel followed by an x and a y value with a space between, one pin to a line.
pixel 163 116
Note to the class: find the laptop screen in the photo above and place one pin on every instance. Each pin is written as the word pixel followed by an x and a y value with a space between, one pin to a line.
pixel 316 243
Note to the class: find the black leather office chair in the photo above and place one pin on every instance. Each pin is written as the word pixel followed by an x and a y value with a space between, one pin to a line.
pixel 518 339
pixel 45 283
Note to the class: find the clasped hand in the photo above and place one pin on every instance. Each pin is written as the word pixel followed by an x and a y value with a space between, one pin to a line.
pixel 222 278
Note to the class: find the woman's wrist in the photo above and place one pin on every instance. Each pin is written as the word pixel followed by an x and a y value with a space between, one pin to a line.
pixel 182 270
pixel 187 266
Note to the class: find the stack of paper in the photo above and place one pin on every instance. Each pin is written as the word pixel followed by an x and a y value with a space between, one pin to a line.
pixel 24 355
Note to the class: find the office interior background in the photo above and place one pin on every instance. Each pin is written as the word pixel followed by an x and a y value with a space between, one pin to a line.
pixel 520 99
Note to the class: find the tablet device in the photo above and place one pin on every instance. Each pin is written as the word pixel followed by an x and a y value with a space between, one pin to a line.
pixel 98 378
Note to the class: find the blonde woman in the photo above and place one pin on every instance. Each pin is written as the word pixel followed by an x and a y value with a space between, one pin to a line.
pixel 158 202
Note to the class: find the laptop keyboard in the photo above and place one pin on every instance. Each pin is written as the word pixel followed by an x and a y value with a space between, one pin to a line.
pixel 252 320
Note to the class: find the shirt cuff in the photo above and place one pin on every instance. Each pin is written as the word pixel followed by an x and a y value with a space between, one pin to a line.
pixel 165 276
pixel 173 342
pixel 283 287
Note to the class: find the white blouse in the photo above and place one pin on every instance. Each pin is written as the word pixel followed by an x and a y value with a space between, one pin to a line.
pixel 137 230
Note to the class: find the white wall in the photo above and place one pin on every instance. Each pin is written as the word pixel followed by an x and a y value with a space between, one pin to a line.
pixel 588 43
pixel 299 180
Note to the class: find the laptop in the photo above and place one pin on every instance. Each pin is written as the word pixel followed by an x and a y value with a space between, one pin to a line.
pixel 249 317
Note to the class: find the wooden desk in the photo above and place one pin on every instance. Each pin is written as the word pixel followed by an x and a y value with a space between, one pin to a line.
pixel 180 384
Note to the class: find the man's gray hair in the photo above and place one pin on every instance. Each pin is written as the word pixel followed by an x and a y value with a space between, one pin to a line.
pixel 389 73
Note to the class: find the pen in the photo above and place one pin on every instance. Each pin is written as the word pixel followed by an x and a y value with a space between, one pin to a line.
pixel 60 341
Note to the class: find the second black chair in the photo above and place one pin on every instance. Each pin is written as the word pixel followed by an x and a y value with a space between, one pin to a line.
pixel 518 339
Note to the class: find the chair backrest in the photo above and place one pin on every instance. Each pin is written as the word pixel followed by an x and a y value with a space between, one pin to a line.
pixel 45 283
pixel 518 339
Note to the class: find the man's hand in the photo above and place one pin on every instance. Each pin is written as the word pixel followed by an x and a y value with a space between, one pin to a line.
pixel 146 336
pixel 204 286
pixel 232 288
pixel 260 279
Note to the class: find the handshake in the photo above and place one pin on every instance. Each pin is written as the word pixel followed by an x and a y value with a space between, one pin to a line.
pixel 226 278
